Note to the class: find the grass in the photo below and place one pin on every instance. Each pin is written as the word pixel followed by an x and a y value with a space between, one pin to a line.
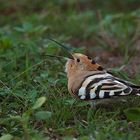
pixel 34 100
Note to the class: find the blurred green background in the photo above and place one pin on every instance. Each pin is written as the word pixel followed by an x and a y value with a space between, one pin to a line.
pixel 108 31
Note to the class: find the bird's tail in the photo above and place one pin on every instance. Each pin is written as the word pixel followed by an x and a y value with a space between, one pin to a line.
pixel 138 94
pixel 136 91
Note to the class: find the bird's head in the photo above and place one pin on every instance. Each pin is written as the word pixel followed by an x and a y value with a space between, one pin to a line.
pixel 79 63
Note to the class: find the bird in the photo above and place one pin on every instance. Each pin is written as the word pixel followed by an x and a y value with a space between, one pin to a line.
pixel 87 80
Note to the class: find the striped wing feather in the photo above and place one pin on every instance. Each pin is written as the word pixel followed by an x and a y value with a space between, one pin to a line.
pixel 101 86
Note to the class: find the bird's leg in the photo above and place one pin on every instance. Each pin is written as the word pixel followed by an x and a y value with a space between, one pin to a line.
pixel 93 104
pixel 106 103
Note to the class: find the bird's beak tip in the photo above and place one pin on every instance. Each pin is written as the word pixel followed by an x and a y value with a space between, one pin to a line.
pixel 71 56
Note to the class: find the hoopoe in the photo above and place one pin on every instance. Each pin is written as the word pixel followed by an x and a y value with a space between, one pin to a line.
pixel 87 80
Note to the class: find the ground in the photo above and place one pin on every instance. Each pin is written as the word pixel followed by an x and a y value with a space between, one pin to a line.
pixel 34 100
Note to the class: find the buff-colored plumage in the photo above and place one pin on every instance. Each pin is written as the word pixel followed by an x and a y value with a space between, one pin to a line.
pixel 77 71
pixel 87 80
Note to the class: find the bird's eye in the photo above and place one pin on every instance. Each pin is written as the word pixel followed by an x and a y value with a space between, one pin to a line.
pixel 78 60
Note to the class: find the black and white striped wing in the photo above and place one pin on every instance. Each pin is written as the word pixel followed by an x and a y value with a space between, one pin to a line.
pixel 101 86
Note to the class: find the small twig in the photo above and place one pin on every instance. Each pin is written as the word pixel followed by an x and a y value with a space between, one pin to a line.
pixel 28 69
pixel 4 84
pixel 10 90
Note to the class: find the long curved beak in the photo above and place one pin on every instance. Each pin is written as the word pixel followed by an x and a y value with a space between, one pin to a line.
pixel 69 54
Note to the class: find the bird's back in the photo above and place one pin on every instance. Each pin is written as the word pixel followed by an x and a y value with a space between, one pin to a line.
pixel 93 85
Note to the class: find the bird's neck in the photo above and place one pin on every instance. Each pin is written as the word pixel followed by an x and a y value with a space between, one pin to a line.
pixel 75 79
